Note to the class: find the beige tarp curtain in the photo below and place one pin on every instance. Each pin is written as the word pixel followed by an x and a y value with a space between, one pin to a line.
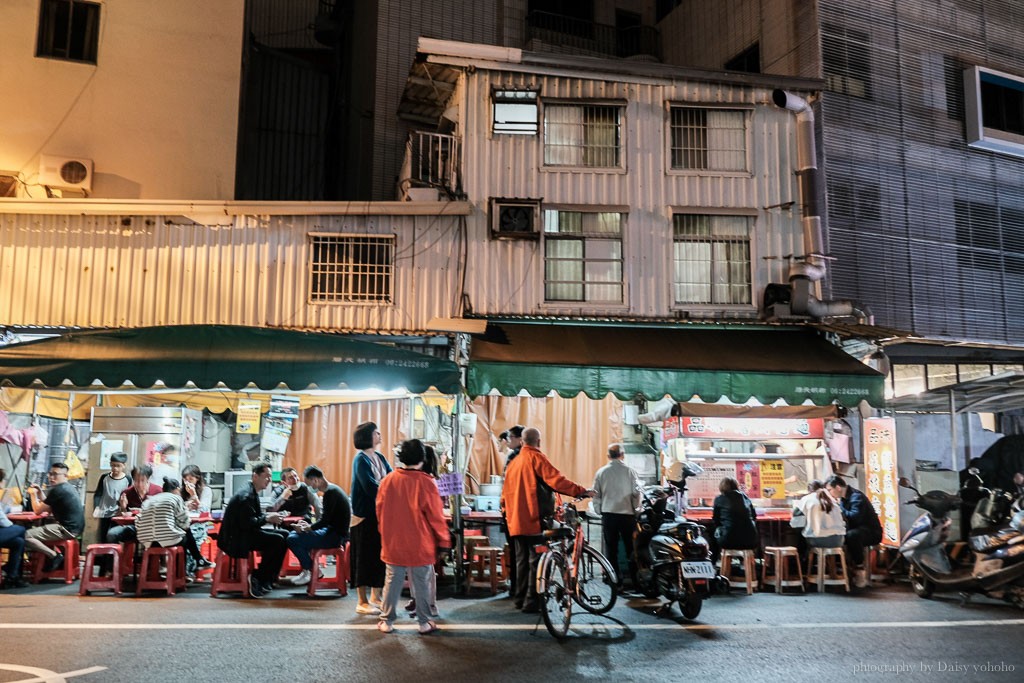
pixel 575 432
pixel 322 435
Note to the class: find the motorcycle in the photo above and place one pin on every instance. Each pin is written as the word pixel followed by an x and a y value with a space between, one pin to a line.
pixel 995 565
pixel 670 554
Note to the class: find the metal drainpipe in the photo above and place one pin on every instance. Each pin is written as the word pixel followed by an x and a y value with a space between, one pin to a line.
pixel 805 277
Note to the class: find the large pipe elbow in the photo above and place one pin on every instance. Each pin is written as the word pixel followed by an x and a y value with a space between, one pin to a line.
pixel 787 100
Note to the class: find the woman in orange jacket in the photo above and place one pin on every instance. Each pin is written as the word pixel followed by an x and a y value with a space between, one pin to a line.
pixel 412 529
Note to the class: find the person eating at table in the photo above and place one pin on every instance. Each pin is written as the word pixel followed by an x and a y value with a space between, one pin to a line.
pixel 63 505
pixel 198 499
pixel 164 523
pixel 241 532
pixel 296 499
pixel 330 530
pixel 12 537
pixel 132 498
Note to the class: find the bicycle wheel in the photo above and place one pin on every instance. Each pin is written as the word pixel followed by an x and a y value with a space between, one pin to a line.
pixel 556 601
pixel 595 582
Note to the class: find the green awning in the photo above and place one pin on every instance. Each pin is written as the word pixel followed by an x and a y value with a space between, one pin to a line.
pixel 794 365
pixel 209 356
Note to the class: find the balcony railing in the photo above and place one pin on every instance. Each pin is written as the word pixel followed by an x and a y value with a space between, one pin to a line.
pixel 431 161
pixel 588 37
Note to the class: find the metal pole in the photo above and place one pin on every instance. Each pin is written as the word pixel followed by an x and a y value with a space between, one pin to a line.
pixel 952 427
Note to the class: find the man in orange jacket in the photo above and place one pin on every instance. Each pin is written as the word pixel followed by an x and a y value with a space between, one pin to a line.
pixel 412 528
pixel 526 498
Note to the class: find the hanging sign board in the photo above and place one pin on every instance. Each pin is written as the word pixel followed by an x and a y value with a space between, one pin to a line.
pixel 880 475
pixel 773 481
pixel 248 421
pixel 751 429
pixel 284 407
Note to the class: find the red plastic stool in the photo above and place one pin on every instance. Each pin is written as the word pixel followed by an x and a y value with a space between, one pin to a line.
pixel 291 566
pixel 340 579
pixel 149 570
pixel 232 574
pixel 96 583
pixel 69 572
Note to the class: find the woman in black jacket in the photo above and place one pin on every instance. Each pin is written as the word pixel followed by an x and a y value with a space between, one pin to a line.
pixel 734 518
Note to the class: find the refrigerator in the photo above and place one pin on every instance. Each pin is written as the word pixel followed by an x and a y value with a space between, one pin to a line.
pixel 145 435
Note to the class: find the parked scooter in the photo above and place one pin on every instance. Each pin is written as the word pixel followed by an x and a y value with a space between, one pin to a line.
pixel 671 555
pixel 995 565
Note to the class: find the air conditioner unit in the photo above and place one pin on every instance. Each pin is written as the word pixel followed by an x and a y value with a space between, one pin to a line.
pixel 515 218
pixel 66 173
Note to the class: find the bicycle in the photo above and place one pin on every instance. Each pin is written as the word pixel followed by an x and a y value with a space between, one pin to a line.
pixel 571 570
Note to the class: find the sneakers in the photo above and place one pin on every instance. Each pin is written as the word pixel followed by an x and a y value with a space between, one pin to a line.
pixel 204 563
pixel 410 606
pixel 302 578
pixel 367 609
pixel 255 587
pixel 385 627
pixel 54 563
pixel 428 628
pixel 860 578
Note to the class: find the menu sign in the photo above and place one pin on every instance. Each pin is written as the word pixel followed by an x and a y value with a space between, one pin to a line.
pixel 881 476
pixel 750 429
pixel 748 474
pixel 773 481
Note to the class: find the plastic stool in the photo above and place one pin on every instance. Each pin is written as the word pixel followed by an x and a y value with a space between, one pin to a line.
pixel 339 581
pixel 827 567
pixel 69 572
pixel 232 574
pixel 290 566
pixel 95 583
pixel 776 559
pixel 149 570
pixel 749 572
pixel 486 557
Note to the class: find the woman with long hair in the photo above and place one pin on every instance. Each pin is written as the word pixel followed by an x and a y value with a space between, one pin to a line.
pixel 825 526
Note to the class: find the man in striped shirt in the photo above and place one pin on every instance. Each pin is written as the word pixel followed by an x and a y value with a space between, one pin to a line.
pixel 164 522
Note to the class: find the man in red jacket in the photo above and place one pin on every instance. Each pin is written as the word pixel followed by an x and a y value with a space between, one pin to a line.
pixel 526 498
pixel 412 529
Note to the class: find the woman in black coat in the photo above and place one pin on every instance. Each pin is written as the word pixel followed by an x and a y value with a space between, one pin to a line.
pixel 734 518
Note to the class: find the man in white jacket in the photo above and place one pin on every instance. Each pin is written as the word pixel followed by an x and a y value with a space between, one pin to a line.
pixel 616 499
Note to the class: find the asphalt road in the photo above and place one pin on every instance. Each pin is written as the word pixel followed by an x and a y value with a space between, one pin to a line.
pixel 48 633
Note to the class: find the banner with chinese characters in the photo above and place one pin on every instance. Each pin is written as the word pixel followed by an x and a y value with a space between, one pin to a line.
pixel 880 475
pixel 750 428
pixel 748 474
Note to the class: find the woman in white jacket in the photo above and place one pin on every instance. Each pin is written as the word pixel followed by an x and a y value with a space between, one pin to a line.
pixel 825 526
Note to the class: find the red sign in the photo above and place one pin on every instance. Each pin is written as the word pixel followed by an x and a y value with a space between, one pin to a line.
pixel 750 428
pixel 881 476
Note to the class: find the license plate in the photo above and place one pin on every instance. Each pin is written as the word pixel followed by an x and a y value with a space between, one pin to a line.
pixel 698 570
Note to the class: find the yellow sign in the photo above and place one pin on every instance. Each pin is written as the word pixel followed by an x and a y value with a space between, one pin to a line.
pixel 248 417
pixel 773 481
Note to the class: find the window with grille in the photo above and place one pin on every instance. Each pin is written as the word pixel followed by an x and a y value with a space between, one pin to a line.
pixel 711 259
pixel 68 29
pixel 515 112
pixel 582 135
pixel 709 139
pixel 847 61
pixel 351 268
pixel 583 256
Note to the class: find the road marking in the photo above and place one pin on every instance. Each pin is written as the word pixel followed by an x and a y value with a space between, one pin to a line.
pixel 603 625
pixel 47 676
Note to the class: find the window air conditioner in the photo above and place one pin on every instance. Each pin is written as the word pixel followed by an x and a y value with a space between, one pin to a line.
pixel 66 173
pixel 515 218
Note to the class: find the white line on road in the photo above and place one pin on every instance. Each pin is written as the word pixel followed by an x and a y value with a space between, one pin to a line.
pixel 47 676
pixel 606 625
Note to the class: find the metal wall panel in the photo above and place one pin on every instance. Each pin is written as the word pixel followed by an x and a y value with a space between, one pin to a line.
pixel 134 271
pixel 506 277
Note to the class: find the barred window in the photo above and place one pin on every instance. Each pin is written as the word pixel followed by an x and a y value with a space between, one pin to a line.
pixel 582 135
pixel 847 61
pixel 711 257
pixel 583 256
pixel 68 29
pixel 351 268
pixel 709 139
